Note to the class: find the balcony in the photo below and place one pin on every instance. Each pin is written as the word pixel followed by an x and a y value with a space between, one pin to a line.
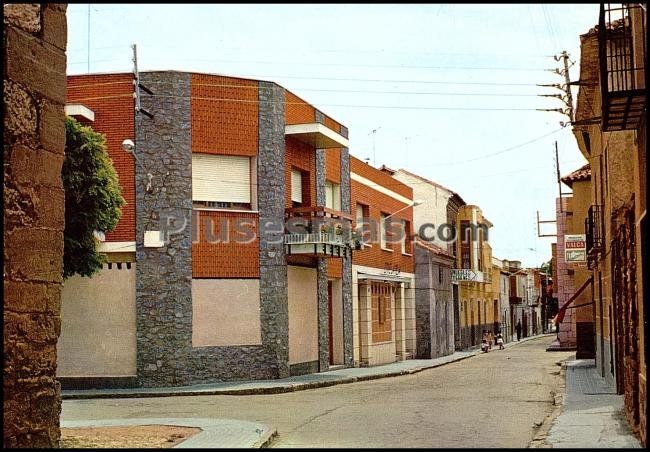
pixel 593 234
pixel 515 300
pixel 467 275
pixel 316 135
pixel 318 232
pixel 622 59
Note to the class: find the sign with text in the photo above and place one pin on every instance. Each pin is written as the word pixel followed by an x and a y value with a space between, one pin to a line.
pixel 575 248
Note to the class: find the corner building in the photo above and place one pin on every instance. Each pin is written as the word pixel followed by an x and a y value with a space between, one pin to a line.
pixel 205 280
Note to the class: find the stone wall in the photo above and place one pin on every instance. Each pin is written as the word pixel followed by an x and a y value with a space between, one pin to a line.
pixel 322 293
pixel 34 60
pixel 346 201
pixel 271 194
pixel 163 184
pixel 434 306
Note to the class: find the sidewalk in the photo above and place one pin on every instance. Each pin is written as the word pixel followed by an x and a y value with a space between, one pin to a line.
pixel 592 415
pixel 297 383
pixel 222 433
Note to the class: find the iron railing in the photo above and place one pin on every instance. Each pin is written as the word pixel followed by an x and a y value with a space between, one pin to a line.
pixel 593 234
pixel 622 60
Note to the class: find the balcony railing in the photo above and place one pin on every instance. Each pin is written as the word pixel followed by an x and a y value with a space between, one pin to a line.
pixel 515 299
pixel 318 231
pixel 622 59
pixel 593 234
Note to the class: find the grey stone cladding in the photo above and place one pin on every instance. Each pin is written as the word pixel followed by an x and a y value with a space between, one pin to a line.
pixel 165 354
pixel 347 261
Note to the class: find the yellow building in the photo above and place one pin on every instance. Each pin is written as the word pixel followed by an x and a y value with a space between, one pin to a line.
pixel 474 274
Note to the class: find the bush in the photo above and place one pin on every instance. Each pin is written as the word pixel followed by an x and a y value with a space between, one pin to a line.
pixel 92 198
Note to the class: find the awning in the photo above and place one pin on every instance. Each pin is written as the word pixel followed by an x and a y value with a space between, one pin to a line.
pixel 396 278
pixel 560 314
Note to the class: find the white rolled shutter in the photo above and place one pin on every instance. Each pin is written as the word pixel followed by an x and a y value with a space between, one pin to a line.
pixel 296 186
pixel 221 178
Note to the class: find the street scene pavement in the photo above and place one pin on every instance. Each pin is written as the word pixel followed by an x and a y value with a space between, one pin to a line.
pixel 496 399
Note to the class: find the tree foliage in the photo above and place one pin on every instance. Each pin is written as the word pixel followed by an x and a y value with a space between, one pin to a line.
pixel 92 198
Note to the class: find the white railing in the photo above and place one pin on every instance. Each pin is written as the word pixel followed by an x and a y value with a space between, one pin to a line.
pixel 321 238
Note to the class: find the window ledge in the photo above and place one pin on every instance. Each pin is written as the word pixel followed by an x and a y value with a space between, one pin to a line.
pixel 217 209
pixel 407 254
pixel 386 249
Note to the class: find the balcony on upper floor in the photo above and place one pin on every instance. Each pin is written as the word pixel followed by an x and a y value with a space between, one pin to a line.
pixel 317 135
pixel 622 60
pixel 318 232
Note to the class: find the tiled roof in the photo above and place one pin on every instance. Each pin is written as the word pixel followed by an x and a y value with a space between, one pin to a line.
pixel 424 179
pixel 583 173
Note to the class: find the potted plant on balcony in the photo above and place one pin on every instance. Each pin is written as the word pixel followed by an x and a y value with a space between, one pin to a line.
pixel 356 242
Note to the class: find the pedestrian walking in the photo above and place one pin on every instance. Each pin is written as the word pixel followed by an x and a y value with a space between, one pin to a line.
pixel 490 339
pixel 518 328
pixel 500 340
pixel 485 346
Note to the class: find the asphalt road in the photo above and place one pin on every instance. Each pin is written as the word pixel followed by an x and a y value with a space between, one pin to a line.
pixel 490 400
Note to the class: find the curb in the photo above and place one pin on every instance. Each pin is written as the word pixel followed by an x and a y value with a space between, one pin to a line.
pixel 214 432
pixel 280 389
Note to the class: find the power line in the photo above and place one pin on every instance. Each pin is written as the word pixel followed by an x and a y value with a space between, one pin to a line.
pixel 255 87
pixel 247 101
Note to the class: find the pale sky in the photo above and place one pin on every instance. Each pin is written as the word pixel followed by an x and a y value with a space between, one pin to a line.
pixel 404 70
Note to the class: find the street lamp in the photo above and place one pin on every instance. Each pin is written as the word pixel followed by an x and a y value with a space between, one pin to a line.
pixel 129 147
pixel 413 203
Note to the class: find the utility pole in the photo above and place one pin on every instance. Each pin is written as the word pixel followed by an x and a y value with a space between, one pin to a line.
pixel 137 85
pixel 569 101
pixel 136 79
pixel 374 156
pixel 559 180
pixel 566 97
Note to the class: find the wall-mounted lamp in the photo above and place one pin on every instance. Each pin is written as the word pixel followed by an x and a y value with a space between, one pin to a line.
pixel 129 148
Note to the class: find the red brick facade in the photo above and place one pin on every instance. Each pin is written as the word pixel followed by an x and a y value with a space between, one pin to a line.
pixel 110 97
pixel 377 204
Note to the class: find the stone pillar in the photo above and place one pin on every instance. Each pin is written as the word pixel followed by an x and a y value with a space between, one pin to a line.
pixel 163 184
pixel 274 305
pixel 423 303
pixel 323 311
pixel 348 351
pixel 34 38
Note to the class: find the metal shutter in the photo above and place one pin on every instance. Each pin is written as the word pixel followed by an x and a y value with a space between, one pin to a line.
pixel 296 186
pixel 221 178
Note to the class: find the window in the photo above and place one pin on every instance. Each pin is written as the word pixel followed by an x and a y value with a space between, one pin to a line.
pixel 332 195
pixel 406 234
pixel 296 188
pixel 382 230
pixel 440 274
pixel 221 181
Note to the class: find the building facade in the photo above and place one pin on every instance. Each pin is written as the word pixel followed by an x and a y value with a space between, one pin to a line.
pixel 576 316
pixel 473 273
pixel 383 278
pixel 610 129
pixel 437 296
pixel 232 259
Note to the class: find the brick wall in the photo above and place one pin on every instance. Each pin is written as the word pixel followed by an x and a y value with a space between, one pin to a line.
pixel 110 97
pixel 221 253
pixel 378 203
pixel 34 61
pixel 224 127
pixel 221 126
pixel 300 156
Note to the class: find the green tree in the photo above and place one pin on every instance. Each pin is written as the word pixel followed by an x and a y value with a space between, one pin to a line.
pixel 92 198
